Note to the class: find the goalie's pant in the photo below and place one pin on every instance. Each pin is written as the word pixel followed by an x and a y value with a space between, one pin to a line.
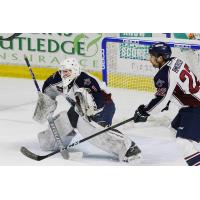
pixel 112 142
pixel 104 118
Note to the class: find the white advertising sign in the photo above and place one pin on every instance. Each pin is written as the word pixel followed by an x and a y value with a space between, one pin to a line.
pixel 50 49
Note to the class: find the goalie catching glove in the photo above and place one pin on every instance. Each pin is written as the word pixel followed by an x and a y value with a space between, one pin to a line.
pixel 45 106
pixel 86 104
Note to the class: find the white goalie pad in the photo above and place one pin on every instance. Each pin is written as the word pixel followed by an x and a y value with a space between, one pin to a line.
pixel 45 105
pixel 112 142
pixel 86 102
pixel 65 130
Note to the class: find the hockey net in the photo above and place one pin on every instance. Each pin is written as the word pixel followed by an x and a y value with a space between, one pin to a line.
pixel 126 62
pixel 127 71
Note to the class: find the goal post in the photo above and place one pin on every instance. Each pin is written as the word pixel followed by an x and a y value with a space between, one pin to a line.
pixel 125 61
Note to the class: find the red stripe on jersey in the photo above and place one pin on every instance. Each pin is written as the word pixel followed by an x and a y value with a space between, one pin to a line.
pixel 186 99
pixel 107 97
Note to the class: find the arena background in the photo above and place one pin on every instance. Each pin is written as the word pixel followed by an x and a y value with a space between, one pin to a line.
pixel 46 50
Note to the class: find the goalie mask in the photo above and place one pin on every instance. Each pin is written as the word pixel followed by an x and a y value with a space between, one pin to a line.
pixel 69 70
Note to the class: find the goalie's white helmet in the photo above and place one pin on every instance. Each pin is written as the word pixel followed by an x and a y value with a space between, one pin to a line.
pixel 69 69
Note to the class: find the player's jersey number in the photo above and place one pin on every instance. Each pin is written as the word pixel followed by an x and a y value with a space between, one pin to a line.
pixel 194 84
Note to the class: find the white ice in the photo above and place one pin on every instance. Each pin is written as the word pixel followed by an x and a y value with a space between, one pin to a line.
pixel 18 99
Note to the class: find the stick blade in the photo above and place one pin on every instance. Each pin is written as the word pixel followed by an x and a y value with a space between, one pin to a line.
pixel 29 154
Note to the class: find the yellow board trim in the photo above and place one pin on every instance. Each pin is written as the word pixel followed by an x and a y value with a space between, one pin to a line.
pixel 114 80
pixel 16 71
pixel 41 73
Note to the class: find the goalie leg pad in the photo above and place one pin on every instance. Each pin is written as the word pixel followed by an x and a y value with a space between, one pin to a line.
pixel 65 130
pixel 113 142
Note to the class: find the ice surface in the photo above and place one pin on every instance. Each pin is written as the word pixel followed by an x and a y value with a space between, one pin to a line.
pixel 18 99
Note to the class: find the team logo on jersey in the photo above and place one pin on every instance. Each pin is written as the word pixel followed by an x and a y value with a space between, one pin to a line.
pixel 94 88
pixel 160 83
pixel 87 81
pixel 161 92
pixel 177 65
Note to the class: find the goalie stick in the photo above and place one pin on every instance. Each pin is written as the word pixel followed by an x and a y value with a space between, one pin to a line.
pixel 50 119
pixel 36 157
pixel 32 74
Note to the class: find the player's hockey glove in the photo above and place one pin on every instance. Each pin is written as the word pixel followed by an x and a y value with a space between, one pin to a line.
pixel 140 114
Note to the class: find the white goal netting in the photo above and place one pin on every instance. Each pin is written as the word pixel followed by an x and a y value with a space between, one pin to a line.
pixel 127 63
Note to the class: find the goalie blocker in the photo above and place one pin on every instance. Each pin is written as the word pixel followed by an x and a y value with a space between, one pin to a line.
pixel 45 105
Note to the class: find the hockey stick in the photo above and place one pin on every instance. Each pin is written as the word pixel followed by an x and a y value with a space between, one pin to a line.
pixel 34 156
pixel 32 74
pixel 50 119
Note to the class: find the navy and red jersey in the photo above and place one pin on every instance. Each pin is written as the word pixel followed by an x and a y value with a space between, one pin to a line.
pixel 53 87
pixel 175 82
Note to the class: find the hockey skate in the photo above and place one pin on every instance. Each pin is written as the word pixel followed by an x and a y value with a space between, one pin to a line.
pixel 133 155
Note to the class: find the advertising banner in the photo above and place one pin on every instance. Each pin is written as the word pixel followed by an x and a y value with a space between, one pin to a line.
pixel 49 49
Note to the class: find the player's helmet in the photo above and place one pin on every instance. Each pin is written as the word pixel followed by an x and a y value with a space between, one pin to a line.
pixel 161 49
pixel 69 64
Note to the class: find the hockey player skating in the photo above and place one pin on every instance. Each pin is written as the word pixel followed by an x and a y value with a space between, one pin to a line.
pixel 92 108
pixel 175 82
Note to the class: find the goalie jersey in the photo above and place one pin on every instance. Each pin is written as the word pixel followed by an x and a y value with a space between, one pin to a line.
pixel 53 87
pixel 174 82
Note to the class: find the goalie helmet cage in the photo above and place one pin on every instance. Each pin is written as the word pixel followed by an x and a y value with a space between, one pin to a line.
pixel 125 62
